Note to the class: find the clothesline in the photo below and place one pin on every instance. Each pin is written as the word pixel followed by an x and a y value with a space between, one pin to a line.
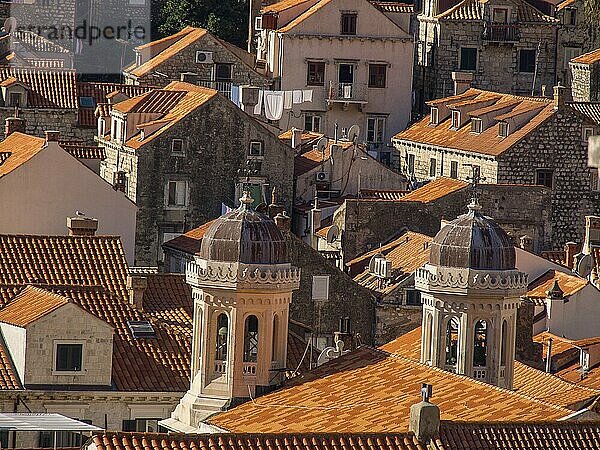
pixel 275 102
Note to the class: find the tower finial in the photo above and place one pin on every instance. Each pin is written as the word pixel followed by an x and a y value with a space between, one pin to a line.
pixel 475 179
pixel 273 197
pixel 246 200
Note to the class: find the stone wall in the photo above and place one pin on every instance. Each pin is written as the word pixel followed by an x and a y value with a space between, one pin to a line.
pixel 395 320
pixel 557 145
pixel 585 83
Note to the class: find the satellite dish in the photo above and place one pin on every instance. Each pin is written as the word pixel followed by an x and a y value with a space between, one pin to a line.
pixel 10 25
pixel 584 265
pixel 322 144
pixel 353 133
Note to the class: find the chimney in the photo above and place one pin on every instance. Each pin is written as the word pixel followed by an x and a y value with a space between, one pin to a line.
pixel 561 94
pixel 462 81
pixel 549 356
pixel 570 249
pixel 52 136
pixel 296 137
pixel 82 226
pixel 136 285
pixel 526 243
pixel 315 222
pixel 12 124
pixel 425 417
pixel 274 208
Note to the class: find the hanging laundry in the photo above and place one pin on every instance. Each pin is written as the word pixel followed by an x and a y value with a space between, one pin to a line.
pixel 287 100
pixel 273 105
pixel 258 106
pixel 307 95
pixel 235 95
pixel 296 96
pixel 348 91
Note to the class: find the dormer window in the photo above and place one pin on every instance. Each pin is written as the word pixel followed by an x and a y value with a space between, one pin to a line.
pixel 68 356
pixel 503 129
pixel 476 125
pixel 433 119
pixel 455 120
pixel 380 267
pixel 348 26
pixel 15 99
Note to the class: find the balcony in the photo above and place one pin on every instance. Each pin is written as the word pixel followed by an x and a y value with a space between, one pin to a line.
pixel 249 369
pixel 500 32
pixel 346 93
pixel 224 87
pixel 479 373
pixel 220 367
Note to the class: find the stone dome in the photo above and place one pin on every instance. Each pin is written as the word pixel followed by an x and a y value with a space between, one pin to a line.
pixel 246 236
pixel 473 241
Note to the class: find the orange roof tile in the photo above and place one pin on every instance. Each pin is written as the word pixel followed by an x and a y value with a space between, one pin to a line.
pixel 588 58
pixel 473 10
pixel 322 232
pixel 305 15
pixel 283 5
pixel 488 142
pixel 563 5
pixel 434 190
pixel 47 88
pixel 313 158
pixel 9 378
pixel 306 135
pixel 559 343
pixel 190 241
pixel 495 107
pixel 30 305
pixel 20 148
pixel 383 194
pixel 158 101
pixel 570 284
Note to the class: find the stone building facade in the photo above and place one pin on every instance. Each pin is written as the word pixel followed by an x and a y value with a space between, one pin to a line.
pixel 585 77
pixel 501 45
pixel 190 163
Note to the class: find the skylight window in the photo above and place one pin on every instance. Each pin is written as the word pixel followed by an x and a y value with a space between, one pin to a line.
pixel 141 329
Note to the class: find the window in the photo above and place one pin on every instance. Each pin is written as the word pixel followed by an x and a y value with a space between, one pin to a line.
pixel 426 348
pixel 256 148
pixel 503 343
pixel 222 335
pixel 452 342
pixel 433 118
pixel 570 53
pixel 476 125
pixel 476 172
pixel 251 339
pixel 456 120
pixel 349 23
pixel 222 72
pixel 375 129
pixel 594 179
pixel 320 287
pixel 453 169
pixel 312 122
pixel 14 99
pixel 570 17
pixel 585 134
pixel 377 75
pixel 275 340
pixel 177 147
pixel 413 297
pixel 543 177
pixel 142 425
pixel 87 102
pixel 137 2
pixel 101 127
pixel 468 58
pixel 503 129
pixel 432 167
pixel 316 74
pixel 68 357
pixel 480 344
pixel 500 15
pixel 410 163
pixel 526 61
pixel 177 193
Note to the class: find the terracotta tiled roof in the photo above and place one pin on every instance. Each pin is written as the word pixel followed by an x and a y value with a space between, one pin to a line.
pixel 305 15
pixel 588 58
pixel 559 343
pixel 283 5
pixel 305 441
pixel 407 253
pixel 518 436
pixel 434 190
pixel 381 194
pixel 9 378
pixel 159 101
pixel 563 5
pixel 588 109
pixel 313 158
pixel 556 256
pixel 54 88
pixel 474 10
pixel 168 299
pixel 30 305
pixel 9 82
pixel 570 284
pixel 360 392
pixel 306 136
pixel 393 7
pixel 190 241
pixel 20 148
pixel 488 142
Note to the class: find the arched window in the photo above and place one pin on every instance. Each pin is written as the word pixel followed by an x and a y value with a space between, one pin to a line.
pixel 427 338
pixel 222 335
pixel 503 345
pixel 275 344
pixel 452 341
pixel 480 344
pixel 251 339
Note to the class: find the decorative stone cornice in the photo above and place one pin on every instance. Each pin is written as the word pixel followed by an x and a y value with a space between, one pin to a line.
pixel 243 277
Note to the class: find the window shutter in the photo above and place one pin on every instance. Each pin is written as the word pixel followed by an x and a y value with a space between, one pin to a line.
pixel 320 287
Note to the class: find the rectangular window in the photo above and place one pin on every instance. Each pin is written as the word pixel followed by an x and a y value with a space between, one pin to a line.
pixel 503 129
pixel 14 99
pixel 222 72
pixel 68 357
pixel 348 23
pixel 570 17
pixel 177 193
pixel 320 287
pixel 146 425
pixel 453 169
pixel 585 134
pixel 476 172
pixel 476 125
pixel 410 163
pixel 315 73
pixel 375 129
pixel 500 15
pixel 413 297
pixel 543 177
pixel 433 118
pixel 456 120
pixel 468 58
pixel 594 179
pixel 177 147
pixel 527 61
pixel 432 167
pixel 256 149
pixel 377 74
pixel 312 122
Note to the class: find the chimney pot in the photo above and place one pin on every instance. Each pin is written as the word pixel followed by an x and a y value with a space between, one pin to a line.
pixel 136 286
pixel 561 96
pixel 52 135
pixel 82 226
pixel 12 124
pixel 425 418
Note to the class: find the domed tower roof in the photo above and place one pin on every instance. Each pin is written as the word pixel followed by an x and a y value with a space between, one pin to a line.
pixel 473 241
pixel 246 236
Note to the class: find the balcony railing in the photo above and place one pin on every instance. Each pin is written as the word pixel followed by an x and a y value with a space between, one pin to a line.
pixel 500 32
pixel 346 93
pixel 224 87
pixel 220 366
pixel 479 373
pixel 250 369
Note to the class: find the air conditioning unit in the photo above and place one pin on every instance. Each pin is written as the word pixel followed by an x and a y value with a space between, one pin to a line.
pixel 204 57
pixel 258 23
pixel 322 176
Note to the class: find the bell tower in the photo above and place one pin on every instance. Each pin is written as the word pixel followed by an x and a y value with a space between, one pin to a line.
pixel 471 291
pixel 242 287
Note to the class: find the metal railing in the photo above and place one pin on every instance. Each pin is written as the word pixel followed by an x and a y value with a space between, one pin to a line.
pixel 500 32
pixel 346 92
pixel 224 87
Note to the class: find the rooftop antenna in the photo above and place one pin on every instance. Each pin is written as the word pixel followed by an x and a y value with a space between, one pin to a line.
pixel 335 134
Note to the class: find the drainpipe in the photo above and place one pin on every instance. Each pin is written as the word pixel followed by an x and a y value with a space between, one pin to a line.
pixel 549 356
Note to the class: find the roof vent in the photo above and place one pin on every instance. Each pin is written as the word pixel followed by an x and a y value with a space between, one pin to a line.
pixel 141 329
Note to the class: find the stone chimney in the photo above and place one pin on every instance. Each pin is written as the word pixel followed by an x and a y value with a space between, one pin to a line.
pixel 283 221
pixel 462 81
pixel 52 136
pixel 561 96
pixel 81 225
pixel 570 250
pixel 136 286
pixel 274 207
pixel 526 243
pixel 425 417
pixel 296 138
pixel 12 124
